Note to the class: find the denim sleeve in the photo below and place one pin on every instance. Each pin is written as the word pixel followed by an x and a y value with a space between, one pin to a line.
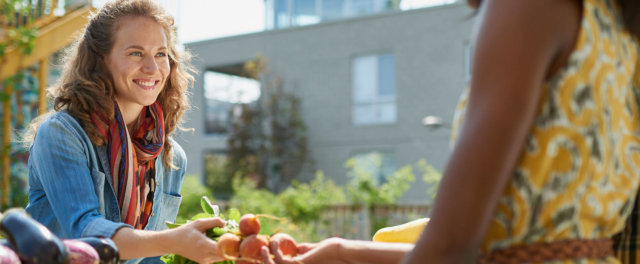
pixel 173 183
pixel 60 160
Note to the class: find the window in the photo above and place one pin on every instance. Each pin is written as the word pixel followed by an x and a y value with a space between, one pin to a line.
pixel 377 164
pixel 221 92
pixel 291 13
pixel 282 14
pixel 305 12
pixel 332 9
pixel 366 7
pixel 414 4
pixel 374 90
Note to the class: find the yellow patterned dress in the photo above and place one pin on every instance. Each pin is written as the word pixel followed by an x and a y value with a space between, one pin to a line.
pixel 578 174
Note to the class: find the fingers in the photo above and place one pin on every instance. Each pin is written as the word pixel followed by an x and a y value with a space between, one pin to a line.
pixel 265 256
pixel 305 247
pixel 204 224
pixel 277 253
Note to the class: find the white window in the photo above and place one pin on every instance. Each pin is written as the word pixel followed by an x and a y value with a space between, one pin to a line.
pixel 221 92
pixel 374 90
pixel 377 164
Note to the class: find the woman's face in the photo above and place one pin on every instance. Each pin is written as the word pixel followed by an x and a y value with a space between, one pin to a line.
pixel 138 62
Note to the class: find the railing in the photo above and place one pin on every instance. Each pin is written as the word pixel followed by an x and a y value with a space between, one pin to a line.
pixel 360 222
pixel 40 12
pixel 17 24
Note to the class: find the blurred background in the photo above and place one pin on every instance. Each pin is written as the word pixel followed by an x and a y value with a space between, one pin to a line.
pixel 334 114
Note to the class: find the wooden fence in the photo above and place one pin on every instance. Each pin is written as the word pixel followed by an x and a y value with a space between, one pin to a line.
pixel 361 222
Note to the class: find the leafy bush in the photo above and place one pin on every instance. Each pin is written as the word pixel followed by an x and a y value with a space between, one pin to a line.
pixel 430 176
pixel 363 189
pixel 301 204
pixel 192 191
pixel 304 201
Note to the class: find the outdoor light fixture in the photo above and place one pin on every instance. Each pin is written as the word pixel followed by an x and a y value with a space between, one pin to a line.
pixel 433 122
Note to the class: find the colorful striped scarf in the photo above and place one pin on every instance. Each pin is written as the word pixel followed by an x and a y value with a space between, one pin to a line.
pixel 133 172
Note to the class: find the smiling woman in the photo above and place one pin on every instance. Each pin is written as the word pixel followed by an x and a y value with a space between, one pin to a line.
pixel 107 147
pixel 138 64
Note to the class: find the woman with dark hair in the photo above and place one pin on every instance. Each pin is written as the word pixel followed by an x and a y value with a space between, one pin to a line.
pixel 546 164
pixel 103 162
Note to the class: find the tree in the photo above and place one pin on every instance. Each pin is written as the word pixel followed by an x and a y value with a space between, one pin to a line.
pixel 267 142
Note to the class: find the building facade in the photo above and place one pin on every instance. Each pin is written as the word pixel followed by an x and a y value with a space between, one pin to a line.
pixel 366 84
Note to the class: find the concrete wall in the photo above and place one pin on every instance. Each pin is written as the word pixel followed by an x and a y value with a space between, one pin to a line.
pixel 429 45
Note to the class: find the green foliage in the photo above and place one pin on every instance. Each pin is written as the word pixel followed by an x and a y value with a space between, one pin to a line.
pixel 216 177
pixel 304 201
pixel 23 38
pixel 248 198
pixel 21 35
pixel 362 188
pixel 396 185
pixel 208 210
pixel 430 176
pixel 299 205
pixel 192 191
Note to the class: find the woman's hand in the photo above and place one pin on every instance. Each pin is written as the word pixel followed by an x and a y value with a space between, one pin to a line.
pixel 323 252
pixel 190 241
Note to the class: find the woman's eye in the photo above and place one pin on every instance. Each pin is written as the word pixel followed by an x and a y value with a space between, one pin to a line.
pixel 161 54
pixel 136 53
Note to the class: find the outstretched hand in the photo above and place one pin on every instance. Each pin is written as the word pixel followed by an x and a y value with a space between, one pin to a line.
pixel 323 252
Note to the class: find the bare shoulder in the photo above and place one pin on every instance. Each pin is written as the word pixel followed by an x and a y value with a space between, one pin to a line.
pixel 550 23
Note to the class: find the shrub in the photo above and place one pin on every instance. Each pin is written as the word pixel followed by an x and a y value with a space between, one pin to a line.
pixel 192 191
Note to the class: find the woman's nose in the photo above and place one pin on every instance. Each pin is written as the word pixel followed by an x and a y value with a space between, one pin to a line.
pixel 149 65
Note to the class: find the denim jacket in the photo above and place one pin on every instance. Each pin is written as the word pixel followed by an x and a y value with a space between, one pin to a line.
pixel 70 189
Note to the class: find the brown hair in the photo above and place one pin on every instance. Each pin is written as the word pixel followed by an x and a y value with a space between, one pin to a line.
pixel 86 86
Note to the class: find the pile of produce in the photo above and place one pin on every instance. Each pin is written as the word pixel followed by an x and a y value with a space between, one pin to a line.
pixel 239 241
pixel 27 241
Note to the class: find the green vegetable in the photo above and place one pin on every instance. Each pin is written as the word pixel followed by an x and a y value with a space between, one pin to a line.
pixel 208 210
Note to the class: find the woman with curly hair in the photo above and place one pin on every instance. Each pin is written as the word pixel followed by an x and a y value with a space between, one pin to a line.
pixel 103 162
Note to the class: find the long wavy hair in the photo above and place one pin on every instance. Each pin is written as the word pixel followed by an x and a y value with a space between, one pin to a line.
pixel 86 86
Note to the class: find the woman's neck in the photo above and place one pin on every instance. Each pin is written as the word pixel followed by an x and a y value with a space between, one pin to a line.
pixel 130 114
